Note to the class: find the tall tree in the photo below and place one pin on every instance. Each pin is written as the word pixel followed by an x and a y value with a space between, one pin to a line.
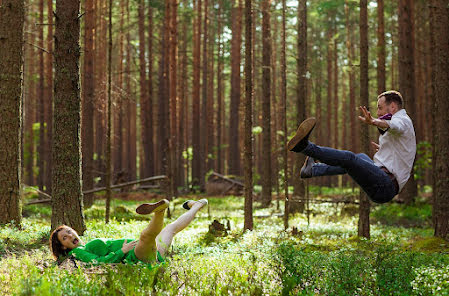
pixel 196 145
pixel 284 114
pixel 220 103
pixel 132 115
pixel 204 141
pixel 173 97
pixel 49 92
pixel 67 200
pixel 439 19
pixel 108 156
pixel 12 18
pixel 42 106
pixel 407 78
pixel 87 131
pixel 248 151
pixel 299 185
pixel 234 167
pixel 145 107
pixel 350 53
pixel 364 207
pixel 29 111
pixel 266 103
pixel 149 162
pixel 380 47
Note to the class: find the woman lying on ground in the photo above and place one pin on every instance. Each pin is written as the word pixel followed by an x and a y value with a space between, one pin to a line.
pixel 152 246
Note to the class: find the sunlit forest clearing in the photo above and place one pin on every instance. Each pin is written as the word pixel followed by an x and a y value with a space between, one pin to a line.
pixel 224 147
pixel 323 257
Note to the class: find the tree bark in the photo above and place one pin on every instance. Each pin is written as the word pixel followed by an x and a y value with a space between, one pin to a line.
pixel 266 104
pixel 301 99
pixel 42 106
pixel 196 145
pixel 380 47
pixel 132 116
pixel 234 167
pixel 352 103
pixel 364 207
pixel 49 94
pixel 12 20
pixel 147 160
pixel 67 205
pixel 29 112
pixel 439 19
pixel 284 115
pixel 220 103
pixel 248 159
pixel 406 80
pixel 87 131
pixel 204 101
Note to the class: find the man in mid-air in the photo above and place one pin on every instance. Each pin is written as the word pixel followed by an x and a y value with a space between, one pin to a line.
pixel 382 177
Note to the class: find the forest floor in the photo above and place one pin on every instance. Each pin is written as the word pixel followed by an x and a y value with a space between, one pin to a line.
pixel 324 257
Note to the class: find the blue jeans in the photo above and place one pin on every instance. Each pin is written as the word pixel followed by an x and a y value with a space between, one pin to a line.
pixel 373 180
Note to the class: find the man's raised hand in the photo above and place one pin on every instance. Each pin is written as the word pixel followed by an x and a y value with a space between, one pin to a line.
pixel 366 118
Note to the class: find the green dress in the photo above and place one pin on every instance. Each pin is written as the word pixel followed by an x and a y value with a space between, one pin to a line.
pixel 102 250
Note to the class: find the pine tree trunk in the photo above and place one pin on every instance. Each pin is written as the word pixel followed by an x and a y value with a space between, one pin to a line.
pixel 12 20
pixel 183 105
pixel 210 97
pixel 145 107
pixel 173 60
pixel 284 115
pixel 196 145
pixel 364 207
pixel 301 99
pixel 234 167
pixel 406 80
pixel 29 112
pixel 220 103
pixel 67 197
pixel 266 104
pixel 118 114
pixel 87 131
pixel 248 163
pixel 49 94
pixel 127 99
pixel 108 177
pixel 352 103
pixel 204 102
pixel 336 98
pixel 380 47
pixel 41 99
pixel 439 18
pixel 132 124
pixel 150 113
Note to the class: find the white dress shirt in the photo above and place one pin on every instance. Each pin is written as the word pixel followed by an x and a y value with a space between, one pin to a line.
pixel 397 147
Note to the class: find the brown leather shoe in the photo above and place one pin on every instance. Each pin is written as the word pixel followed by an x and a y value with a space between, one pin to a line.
pixel 148 208
pixel 300 140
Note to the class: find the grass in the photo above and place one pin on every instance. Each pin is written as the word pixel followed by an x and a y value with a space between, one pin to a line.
pixel 325 258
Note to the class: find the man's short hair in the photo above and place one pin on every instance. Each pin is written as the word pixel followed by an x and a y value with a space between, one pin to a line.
pixel 392 96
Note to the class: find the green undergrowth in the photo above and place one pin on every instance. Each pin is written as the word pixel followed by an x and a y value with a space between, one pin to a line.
pixel 325 257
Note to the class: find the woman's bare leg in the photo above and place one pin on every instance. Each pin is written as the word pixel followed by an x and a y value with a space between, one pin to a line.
pixel 165 238
pixel 146 247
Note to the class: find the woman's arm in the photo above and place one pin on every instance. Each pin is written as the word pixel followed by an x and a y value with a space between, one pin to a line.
pixel 113 257
pixel 88 257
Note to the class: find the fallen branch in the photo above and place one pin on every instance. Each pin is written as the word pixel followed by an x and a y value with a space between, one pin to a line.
pixel 227 179
pixel 155 178
pixel 48 200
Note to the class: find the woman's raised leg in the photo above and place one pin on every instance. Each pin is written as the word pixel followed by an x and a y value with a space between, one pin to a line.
pixel 165 238
pixel 146 247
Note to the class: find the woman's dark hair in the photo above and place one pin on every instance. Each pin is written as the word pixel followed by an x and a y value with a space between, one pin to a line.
pixel 392 96
pixel 56 247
